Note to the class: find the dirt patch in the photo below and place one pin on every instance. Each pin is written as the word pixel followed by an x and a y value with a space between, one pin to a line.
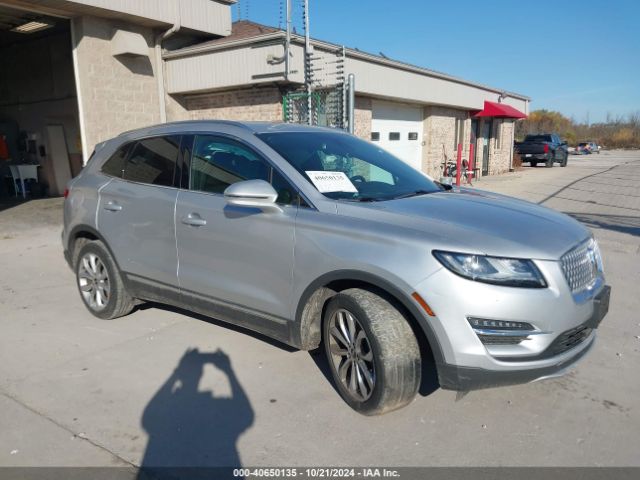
pixel 19 216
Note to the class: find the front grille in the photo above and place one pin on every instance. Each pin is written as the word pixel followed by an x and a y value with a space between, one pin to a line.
pixel 581 266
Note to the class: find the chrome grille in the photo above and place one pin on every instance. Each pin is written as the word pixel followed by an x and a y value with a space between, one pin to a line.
pixel 582 265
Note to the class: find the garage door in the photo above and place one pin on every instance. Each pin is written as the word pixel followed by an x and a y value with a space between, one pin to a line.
pixel 398 129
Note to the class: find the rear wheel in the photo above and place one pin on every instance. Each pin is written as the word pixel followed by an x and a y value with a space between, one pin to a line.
pixel 549 162
pixel 100 283
pixel 372 352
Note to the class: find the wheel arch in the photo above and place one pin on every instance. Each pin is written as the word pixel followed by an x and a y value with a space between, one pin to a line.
pixel 75 242
pixel 308 319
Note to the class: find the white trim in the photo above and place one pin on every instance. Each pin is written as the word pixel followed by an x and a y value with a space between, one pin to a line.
pixel 76 74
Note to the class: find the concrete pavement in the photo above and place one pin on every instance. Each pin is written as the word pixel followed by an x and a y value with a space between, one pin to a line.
pixel 76 391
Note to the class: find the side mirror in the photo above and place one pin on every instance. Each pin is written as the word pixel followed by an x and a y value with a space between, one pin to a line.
pixel 564 143
pixel 254 194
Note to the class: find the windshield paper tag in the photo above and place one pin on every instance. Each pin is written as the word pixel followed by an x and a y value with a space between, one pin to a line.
pixel 327 182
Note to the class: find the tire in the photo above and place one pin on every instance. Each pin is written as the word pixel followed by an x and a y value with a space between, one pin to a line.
pixel 565 160
pixel 100 283
pixel 533 164
pixel 549 162
pixel 380 370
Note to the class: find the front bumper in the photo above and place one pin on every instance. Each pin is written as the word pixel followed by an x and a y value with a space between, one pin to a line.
pixel 538 157
pixel 453 377
pixel 565 324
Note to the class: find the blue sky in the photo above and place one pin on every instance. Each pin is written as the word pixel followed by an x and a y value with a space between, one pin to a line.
pixel 581 58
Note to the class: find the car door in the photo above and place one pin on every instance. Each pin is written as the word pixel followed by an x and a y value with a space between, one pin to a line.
pixel 136 215
pixel 235 263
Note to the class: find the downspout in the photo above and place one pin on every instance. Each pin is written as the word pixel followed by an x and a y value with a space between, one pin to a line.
pixel 160 65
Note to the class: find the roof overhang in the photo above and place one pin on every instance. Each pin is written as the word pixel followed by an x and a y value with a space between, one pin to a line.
pixel 499 110
pixel 226 44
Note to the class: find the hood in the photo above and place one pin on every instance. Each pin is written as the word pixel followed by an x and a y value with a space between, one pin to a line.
pixel 480 222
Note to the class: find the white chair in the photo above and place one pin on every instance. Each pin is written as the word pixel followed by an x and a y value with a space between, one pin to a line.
pixel 22 173
pixel 15 176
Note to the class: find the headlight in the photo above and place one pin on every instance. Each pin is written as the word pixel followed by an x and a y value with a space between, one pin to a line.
pixel 509 272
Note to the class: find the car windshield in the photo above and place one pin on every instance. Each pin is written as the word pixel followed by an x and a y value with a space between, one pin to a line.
pixel 343 167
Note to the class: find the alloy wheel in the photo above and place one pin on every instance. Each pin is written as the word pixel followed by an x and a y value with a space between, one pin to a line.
pixel 351 355
pixel 93 280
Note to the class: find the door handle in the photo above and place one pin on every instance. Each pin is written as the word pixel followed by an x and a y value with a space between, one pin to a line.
pixel 194 220
pixel 112 206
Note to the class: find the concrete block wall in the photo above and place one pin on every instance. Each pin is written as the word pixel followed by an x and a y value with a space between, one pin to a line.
pixel 363 115
pixel 117 94
pixel 500 158
pixel 251 104
pixel 439 137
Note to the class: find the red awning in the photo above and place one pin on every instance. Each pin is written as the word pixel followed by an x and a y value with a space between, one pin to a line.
pixel 499 110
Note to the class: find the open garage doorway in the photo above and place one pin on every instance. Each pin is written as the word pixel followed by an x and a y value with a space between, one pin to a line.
pixel 40 140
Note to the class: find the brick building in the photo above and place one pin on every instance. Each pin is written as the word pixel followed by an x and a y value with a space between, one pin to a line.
pixel 84 71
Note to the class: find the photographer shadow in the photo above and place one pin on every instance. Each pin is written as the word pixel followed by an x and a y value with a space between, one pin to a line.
pixel 192 433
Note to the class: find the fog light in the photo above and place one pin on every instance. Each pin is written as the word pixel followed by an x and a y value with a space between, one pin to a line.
pixel 501 332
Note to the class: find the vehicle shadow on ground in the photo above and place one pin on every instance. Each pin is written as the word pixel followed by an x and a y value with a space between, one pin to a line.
pixel 617 223
pixel 192 432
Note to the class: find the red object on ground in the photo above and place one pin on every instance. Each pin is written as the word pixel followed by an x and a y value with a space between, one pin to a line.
pixel 459 165
pixel 499 110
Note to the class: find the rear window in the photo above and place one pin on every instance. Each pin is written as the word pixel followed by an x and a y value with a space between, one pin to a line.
pixel 116 164
pixel 538 138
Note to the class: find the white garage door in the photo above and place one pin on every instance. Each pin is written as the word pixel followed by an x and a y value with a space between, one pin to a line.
pixel 398 129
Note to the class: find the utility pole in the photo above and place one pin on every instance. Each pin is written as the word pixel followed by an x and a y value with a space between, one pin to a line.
pixel 307 58
pixel 287 61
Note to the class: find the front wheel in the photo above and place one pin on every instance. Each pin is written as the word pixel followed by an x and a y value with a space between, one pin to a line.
pixel 565 160
pixel 100 284
pixel 372 352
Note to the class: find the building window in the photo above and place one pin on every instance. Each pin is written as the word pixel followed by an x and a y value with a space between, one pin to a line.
pixel 394 136
pixel 375 136
pixel 413 135
pixel 497 125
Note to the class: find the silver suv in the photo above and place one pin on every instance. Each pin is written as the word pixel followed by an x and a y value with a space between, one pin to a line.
pixel 319 239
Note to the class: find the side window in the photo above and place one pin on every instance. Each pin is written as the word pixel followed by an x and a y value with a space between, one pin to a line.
pixel 116 164
pixel 153 161
pixel 218 162
pixel 286 194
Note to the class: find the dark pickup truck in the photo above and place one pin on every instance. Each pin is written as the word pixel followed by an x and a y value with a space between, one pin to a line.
pixel 545 148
